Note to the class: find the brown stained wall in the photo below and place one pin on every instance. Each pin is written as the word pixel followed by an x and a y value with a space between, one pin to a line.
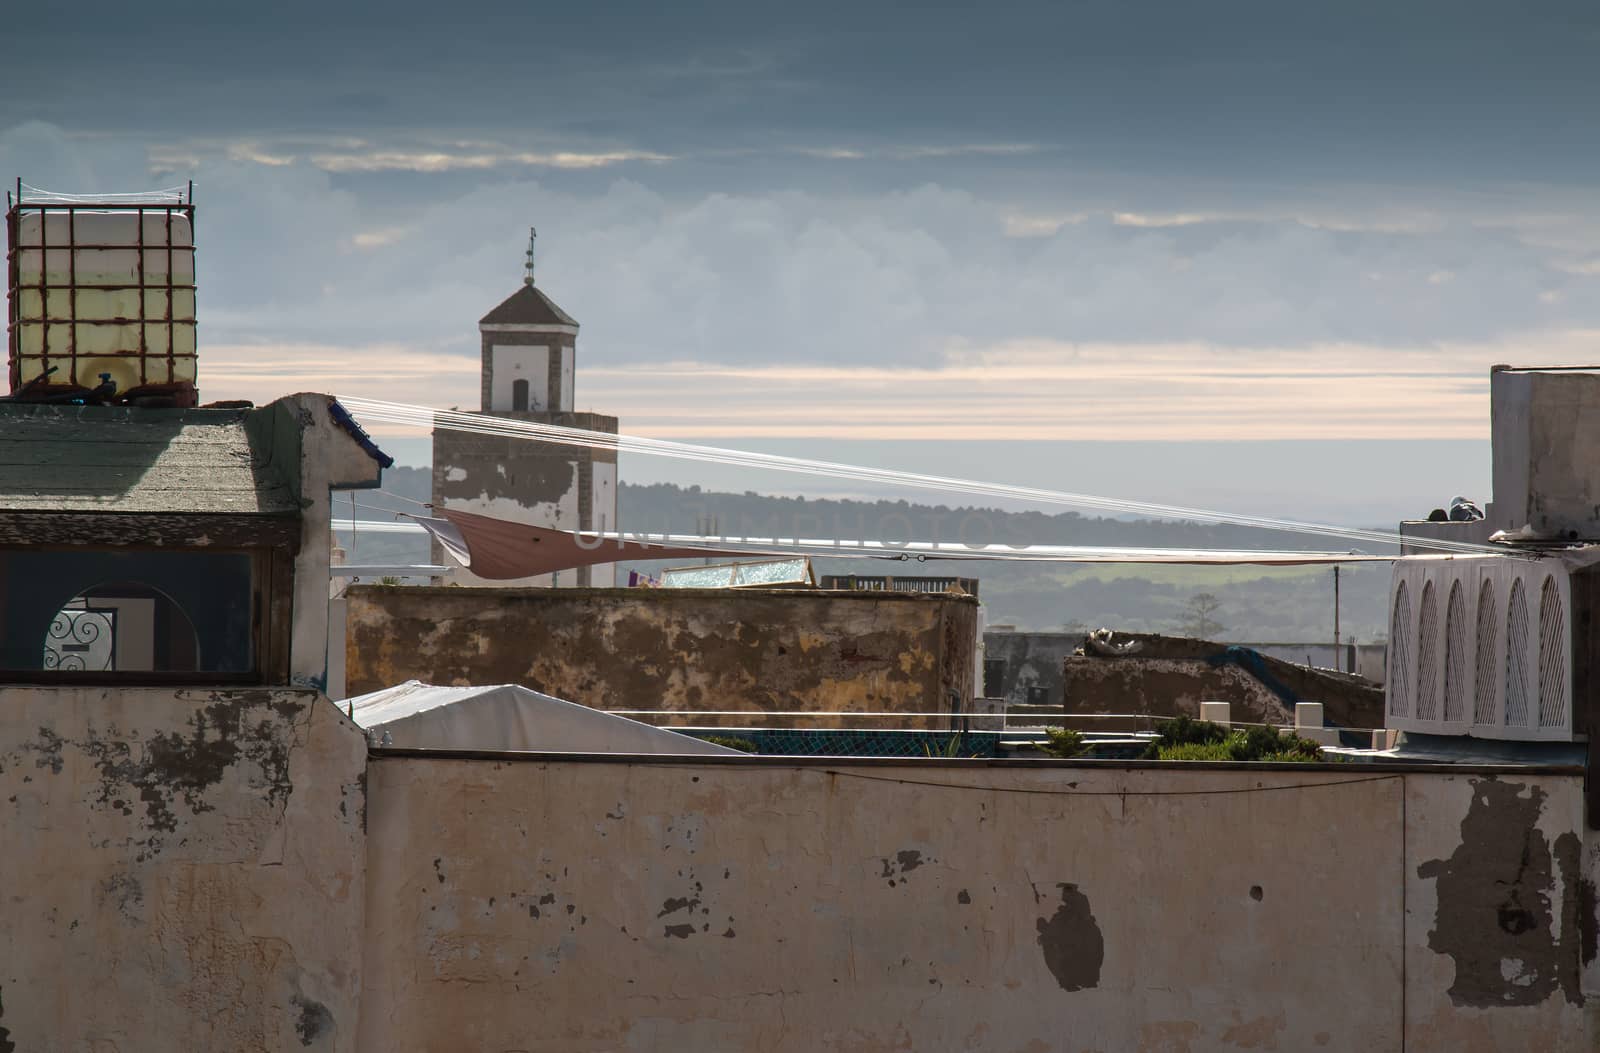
pixel 1169 676
pixel 1167 687
pixel 680 649
pixel 956 906
pixel 183 870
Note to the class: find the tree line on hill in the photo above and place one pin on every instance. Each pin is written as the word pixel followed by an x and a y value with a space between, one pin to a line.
pixel 1233 603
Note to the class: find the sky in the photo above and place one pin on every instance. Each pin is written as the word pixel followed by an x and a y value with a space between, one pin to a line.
pixel 1246 255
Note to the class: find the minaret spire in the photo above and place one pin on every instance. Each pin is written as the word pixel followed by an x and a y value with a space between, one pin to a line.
pixel 527 278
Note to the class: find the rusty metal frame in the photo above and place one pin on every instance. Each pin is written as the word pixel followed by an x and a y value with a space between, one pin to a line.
pixel 16 207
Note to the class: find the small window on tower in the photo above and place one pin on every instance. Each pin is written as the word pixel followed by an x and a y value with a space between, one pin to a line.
pixel 519 395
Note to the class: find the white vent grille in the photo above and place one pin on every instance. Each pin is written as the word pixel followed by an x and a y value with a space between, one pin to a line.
pixel 1552 656
pixel 1428 656
pixel 1456 675
pixel 1399 675
pixel 1481 645
pixel 1484 695
pixel 1516 707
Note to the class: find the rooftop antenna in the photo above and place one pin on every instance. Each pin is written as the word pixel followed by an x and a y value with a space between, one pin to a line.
pixel 528 267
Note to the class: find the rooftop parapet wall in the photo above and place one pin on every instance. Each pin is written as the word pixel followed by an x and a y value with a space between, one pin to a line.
pixel 676 649
pixel 759 904
pixel 185 870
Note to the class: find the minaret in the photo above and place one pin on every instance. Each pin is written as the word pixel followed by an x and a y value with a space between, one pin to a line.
pixel 529 351
pixel 529 357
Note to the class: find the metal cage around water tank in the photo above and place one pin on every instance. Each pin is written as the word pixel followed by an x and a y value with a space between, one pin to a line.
pixel 102 295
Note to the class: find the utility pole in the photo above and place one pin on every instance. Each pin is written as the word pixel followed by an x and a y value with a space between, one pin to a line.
pixel 1338 662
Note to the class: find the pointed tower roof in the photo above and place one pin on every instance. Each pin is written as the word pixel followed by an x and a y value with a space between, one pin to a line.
pixel 527 306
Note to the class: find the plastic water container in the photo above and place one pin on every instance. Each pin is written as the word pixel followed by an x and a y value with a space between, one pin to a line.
pixel 98 291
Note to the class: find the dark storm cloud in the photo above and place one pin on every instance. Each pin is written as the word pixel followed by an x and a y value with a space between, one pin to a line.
pixel 858 184
pixel 1478 89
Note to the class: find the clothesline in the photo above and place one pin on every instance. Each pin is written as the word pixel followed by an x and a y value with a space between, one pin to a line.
pixel 373 410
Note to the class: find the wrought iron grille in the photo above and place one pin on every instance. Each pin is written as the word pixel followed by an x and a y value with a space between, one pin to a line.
pixel 82 639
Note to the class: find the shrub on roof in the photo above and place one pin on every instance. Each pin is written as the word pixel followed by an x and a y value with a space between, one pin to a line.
pixel 1208 751
pixel 1062 742
pixel 1184 738
pixel 732 743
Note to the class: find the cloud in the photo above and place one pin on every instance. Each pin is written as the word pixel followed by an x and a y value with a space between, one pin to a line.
pixel 1032 392
pixel 263 372
pixel 434 161
pixel 924 298
pixel 915 152
pixel 1041 391
pixel 1177 219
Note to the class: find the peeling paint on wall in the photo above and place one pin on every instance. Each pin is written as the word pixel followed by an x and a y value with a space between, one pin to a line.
pixel 195 869
pixel 159 771
pixel 975 946
pixel 313 1022
pixel 1073 946
pixel 1495 919
pixel 6 1045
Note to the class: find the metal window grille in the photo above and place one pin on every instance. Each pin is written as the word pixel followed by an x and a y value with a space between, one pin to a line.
pixel 82 639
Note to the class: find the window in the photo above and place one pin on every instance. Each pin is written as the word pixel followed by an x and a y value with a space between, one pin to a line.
pixel 122 626
pixel 129 614
pixel 994 678
pixel 519 394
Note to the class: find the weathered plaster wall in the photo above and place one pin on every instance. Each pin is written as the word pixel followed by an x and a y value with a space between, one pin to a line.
pixel 945 906
pixel 314 455
pixel 183 870
pixel 527 481
pixel 682 649
pixel 1170 675
pixel 1030 670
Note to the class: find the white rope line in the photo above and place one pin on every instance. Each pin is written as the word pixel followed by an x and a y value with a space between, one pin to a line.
pixel 37 196
pixel 1016 719
pixel 397 497
pixel 485 424
pixel 919 551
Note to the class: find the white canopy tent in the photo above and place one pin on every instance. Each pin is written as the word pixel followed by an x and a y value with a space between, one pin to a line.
pixel 507 717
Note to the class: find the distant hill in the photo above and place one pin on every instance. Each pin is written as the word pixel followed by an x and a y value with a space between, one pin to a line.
pixel 1253 603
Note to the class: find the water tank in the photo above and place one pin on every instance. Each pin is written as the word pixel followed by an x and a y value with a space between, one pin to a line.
pixel 102 288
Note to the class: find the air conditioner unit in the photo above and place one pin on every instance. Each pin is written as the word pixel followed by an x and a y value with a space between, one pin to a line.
pixel 1483 646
